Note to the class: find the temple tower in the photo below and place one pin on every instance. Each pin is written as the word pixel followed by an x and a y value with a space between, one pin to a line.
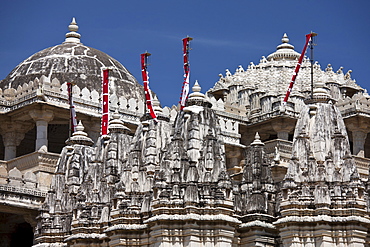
pixel 323 201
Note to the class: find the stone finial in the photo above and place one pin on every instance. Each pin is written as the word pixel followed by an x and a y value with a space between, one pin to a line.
pixel 197 100
pixel 116 125
pixel 329 68
pixel 320 90
pixel 285 38
pixel 257 140
pixel 79 137
pixel 196 94
pixel 156 104
pixel 285 43
pixel 320 95
pixel 284 51
pixel 73 36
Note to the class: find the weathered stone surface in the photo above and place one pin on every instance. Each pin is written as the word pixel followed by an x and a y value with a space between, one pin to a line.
pixel 74 62
pixel 198 177
pixel 322 187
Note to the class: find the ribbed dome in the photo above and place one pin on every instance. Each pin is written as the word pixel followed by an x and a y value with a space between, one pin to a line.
pixel 74 62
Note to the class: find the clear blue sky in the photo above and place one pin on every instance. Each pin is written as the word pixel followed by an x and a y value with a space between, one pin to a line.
pixel 226 34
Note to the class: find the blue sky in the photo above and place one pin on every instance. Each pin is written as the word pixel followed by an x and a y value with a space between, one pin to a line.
pixel 226 34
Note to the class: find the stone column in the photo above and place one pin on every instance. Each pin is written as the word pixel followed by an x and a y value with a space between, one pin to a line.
pixel 359 138
pixel 234 157
pixel 11 141
pixel 13 133
pixel 282 127
pixel 42 118
pixel 360 128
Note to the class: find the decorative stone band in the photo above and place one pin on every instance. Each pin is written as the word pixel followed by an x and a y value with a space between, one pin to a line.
pixel 51 245
pixel 322 218
pixel 257 223
pixel 21 190
pixel 86 236
pixel 126 227
pixel 198 217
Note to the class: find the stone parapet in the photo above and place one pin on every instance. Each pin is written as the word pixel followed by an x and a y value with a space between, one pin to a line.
pixel 362 165
pixel 35 161
pixel 280 148
pixel 357 105
pixel 86 101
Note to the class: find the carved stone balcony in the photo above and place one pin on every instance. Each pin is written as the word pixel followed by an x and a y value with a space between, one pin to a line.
pixel 34 169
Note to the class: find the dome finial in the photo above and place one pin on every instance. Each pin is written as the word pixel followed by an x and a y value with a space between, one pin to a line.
pixel 285 38
pixel 284 51
pixel 196 88
pixel 73 26
pixel 73 36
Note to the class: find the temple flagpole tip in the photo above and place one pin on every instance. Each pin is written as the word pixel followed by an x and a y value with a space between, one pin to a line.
pixel 146 53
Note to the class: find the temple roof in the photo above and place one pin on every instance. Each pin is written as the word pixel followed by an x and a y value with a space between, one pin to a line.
pixel 74 62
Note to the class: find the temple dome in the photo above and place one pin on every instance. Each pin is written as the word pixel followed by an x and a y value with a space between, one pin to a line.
pixel 74 62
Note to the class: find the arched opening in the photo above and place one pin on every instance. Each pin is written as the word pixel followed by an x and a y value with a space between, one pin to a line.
pixel 27 145
pixel 57 136
pixel 22 236
pixel 2 148
pixel 15 231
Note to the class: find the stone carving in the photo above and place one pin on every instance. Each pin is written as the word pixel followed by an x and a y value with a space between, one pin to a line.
pixel 322 179
pixel 222 172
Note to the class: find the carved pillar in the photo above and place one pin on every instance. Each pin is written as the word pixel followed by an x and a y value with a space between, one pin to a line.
pixel 11 141
pixel 359 138
pixel 13 133
pixel 283 127
pixel 42 118
pixel 360 128
pixel 234 158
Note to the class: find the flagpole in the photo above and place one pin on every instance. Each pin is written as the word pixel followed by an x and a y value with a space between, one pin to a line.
pixel 298 66
pixel 185 87
pixel 105 97
pixel 312 44
pixel 72 111
pixel 145 76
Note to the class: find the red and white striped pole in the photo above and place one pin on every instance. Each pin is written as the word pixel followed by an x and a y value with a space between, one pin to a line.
pixel 185 86
pixel 105 89
pixel 299 63
pixel 72 117
pixel 145 76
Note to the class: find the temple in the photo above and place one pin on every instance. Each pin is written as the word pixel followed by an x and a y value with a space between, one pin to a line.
pixel 236 167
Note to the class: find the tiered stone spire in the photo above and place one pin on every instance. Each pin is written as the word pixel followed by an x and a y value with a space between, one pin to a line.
pixel 257 198
pixel 322 192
